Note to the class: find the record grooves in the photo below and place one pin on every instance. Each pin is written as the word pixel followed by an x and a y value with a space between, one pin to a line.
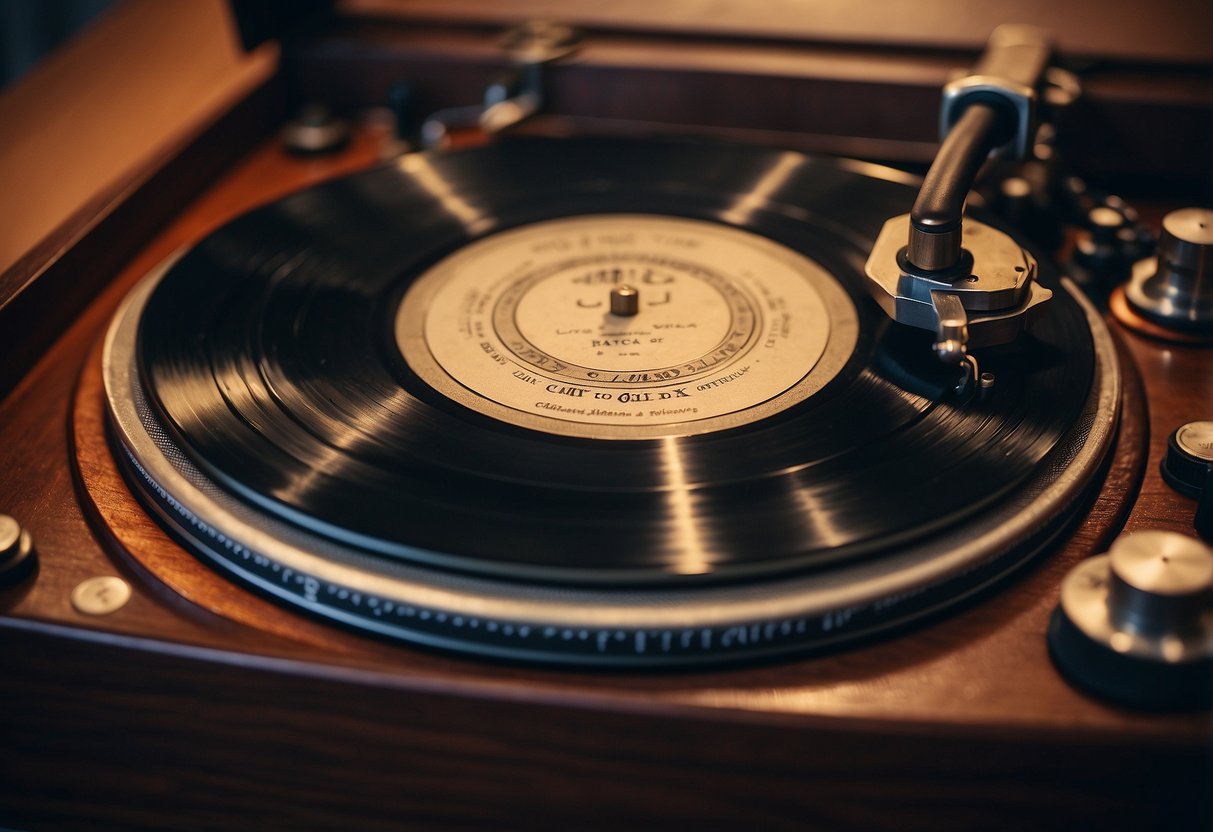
pixel 287 402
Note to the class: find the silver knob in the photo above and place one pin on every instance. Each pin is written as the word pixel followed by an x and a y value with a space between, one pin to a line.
pixel 1176 289
pixel 1161 583
pixel 1136 625
pixel 17 554
pixel 1188 468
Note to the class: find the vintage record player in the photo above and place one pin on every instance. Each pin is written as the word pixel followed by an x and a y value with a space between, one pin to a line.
pixel 443 415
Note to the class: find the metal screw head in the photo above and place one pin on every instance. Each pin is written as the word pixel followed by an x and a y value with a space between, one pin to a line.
pixel 101 595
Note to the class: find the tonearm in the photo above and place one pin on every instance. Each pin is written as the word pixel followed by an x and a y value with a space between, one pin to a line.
pixel 983 292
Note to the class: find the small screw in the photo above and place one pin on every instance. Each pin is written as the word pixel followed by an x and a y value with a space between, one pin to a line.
pixel 101 595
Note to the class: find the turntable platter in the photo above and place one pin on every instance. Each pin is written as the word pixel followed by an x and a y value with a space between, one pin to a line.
pixel 408 388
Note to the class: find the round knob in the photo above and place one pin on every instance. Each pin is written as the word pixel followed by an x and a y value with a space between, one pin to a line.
pixel 1099 252
pixel 1188 468
pixel 315 130
pixel 1105 222
pixel 1176 290
pixel 1160 583
pixel 1136 625
pixel 1184 244
pixel 16 550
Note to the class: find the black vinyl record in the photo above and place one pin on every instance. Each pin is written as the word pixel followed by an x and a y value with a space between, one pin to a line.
pixel 268 352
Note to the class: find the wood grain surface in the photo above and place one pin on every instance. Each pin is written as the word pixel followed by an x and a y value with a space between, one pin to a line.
pixel 1178 31
pixel 200 705
pixel 140 112
pixel 1137 128
pixel 145 75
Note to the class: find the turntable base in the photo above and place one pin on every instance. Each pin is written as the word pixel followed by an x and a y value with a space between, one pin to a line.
pixel 236 710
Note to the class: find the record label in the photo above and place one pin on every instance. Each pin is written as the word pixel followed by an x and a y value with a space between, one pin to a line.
pixel 712 327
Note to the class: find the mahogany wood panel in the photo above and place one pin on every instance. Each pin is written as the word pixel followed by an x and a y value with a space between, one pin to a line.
pixel 101 144
pixel 1178 31
pixel 64 272
pixel 685 82
pixel 1146 128
pixel 99 736
pixel 209 706
pixel 85 120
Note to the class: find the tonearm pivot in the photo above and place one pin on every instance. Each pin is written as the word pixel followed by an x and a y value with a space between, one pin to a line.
pixel 984 292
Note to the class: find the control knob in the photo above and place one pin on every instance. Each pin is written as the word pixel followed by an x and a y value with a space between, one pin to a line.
pixel 1136 625
pixel 1176 289
pixel 16 551
pixel 1188 468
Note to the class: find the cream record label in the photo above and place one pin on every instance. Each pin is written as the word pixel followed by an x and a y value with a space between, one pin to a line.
pixel 724 327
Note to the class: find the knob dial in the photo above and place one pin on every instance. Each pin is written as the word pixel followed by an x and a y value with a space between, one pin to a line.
pixel 1188 468
pixel 1176 290
pixel 1136 625
pixel 16 550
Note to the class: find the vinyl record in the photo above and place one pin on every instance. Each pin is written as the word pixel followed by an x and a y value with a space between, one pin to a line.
pixel 391 361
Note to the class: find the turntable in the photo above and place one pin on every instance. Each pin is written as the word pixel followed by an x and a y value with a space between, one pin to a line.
pixel 573 476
